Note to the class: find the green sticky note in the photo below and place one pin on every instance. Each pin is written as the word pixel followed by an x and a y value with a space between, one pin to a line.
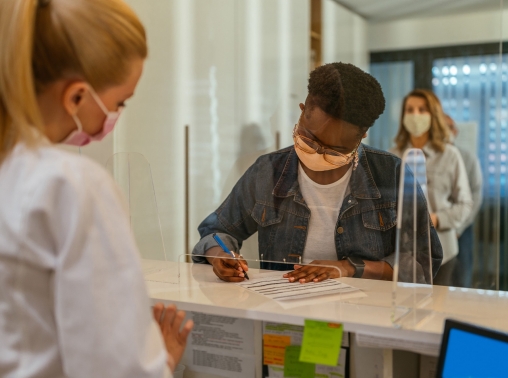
pixel 321 343
pixel 293 367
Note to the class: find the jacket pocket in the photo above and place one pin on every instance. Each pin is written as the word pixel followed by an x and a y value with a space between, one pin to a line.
pixel 380 219
pixel 266 215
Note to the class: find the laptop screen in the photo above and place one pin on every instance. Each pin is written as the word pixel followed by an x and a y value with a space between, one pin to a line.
pixel 471 353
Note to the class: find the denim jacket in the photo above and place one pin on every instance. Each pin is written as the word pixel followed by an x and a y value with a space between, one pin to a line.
pixel 267 199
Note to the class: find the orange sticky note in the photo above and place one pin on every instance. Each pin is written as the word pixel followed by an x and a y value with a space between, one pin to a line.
pixel 274 348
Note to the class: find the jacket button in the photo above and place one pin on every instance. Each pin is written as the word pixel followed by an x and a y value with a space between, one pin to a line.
pixel 340 230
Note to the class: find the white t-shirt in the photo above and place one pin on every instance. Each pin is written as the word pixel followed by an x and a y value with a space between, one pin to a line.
pixel 73 301
pixel 324 202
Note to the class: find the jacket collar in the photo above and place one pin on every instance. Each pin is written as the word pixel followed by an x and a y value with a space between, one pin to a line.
pixel 287 184
pixel 362 183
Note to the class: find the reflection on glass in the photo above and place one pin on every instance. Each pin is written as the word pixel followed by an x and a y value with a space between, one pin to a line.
pixel 133 175
pixel 478 102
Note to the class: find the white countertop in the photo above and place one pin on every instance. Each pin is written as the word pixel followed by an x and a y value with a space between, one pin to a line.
pixel 194 287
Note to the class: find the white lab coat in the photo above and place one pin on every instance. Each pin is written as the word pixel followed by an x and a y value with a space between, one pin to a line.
pixel 73 302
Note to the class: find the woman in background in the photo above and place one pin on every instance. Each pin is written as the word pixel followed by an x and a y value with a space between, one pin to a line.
pixel 423 126
pixel 72 297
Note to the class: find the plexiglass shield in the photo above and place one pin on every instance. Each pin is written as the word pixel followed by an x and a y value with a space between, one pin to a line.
pixel 413 268
pixel 133 175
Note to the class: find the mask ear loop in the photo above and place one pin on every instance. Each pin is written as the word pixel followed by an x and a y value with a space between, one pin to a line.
pixel 77 122
pixel 98 100
pixel 79 125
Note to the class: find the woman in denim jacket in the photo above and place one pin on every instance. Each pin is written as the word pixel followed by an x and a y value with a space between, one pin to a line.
pixel 327 200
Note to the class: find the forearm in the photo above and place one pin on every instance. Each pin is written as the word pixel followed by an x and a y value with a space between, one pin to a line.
pixel 374 270
pixel 208 242
pixel 213 253
pixel 377 270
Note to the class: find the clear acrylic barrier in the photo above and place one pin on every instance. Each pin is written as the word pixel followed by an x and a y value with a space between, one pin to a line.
pixel 189 275
pixel 132 173
pixel 260 265
pixel 412 270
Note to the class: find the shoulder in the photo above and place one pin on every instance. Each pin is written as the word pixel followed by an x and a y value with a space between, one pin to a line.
pixel 48 169
pixel 377 156
pixel 452 154
pixel 275 157
pixel 273 162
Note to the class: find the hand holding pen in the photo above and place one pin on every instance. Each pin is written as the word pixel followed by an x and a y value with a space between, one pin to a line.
pixel 233 269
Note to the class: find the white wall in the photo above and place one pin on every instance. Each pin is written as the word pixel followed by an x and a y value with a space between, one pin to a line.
pixel 344 36
pixel 468 28
pixel 235 72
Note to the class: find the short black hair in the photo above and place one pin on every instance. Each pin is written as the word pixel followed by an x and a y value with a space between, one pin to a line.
pixel 344 91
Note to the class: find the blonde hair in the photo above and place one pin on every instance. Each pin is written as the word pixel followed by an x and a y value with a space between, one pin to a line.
pixel 42 41
pixel 439 133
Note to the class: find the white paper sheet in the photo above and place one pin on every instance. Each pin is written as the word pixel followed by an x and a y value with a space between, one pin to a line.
pixel 221 345
pixel 275 371
pixel 339 371
pixel 280 289
pixel 384 342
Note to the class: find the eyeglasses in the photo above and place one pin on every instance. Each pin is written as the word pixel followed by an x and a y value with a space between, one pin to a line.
pixel 312 147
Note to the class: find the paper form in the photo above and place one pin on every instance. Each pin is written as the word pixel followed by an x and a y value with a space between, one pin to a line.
pixel 339 371
pixel 274 348
pixel 221 345
pixel 275 371
pixel 295 333
pixel 280 289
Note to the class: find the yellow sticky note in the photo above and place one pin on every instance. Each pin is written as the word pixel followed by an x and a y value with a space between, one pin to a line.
pixel 274 348
pixel 321 342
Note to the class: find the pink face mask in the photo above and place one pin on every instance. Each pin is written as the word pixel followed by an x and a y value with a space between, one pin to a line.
pixel 80 138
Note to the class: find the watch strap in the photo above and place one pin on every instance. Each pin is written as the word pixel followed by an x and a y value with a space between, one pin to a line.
pixel 359 271
pixel 359 268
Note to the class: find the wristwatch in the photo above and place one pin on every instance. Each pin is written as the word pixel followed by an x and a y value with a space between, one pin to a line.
pixel 359 265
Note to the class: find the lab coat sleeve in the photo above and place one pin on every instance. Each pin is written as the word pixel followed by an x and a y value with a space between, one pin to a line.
pixel 101 308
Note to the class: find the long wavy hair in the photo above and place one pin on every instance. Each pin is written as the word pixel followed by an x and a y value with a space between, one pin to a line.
pixel 439 133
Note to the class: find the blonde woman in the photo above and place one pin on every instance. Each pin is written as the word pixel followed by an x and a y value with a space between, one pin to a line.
pixel 72 297
pixel 422 125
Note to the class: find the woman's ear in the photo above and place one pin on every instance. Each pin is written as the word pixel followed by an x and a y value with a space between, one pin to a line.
pixel 302 106
pixel 73 95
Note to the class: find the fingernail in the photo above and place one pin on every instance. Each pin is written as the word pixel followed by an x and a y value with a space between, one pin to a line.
pixel 242 275
pixel 291 279
pixel 285 275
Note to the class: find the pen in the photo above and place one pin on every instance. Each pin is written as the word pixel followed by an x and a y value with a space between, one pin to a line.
pixel 226 249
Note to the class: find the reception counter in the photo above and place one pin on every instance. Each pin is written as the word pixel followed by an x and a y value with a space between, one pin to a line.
pixel 194 287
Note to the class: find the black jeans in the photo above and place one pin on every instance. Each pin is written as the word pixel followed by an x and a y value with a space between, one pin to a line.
pixel 459 270
pixel 463 273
